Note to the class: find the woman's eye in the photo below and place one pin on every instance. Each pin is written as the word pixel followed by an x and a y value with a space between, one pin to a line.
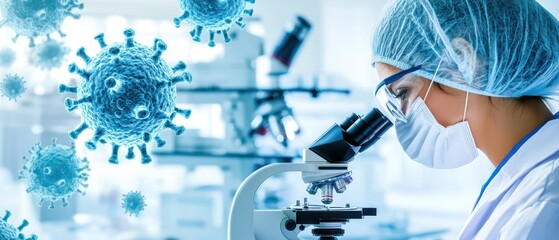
pixel 402 94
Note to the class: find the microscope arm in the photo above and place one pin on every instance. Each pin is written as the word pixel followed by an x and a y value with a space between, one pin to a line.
pixel 241 217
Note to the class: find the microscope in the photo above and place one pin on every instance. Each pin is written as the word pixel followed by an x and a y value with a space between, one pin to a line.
pixel 325 168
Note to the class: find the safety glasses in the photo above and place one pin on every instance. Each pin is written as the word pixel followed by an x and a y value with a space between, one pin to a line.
pixel 397 92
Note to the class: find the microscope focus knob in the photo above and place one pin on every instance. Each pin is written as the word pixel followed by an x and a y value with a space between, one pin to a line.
pixel 290 225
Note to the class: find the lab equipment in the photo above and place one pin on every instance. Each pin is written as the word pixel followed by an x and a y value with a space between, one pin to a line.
pixel 49 54
pixel 127 96
pixel 519 201
pixel 288 47
pixel 496 48
pixel 273 113
pixel 216 138
pixel 12 87
pixel 37 18
pixel 324 166
pixel 55 173
pixel 275 116
pixel 133 203
pixel 9 231
pixel 224 109
pixel 224 103
pixel 214 16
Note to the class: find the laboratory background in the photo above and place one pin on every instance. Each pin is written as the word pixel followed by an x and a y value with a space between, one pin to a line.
pixel 240 112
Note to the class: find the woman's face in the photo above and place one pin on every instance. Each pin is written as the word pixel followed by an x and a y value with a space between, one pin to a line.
pixel 446 103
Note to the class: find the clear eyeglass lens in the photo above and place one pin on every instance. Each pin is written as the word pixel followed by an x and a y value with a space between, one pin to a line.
pixel 390 103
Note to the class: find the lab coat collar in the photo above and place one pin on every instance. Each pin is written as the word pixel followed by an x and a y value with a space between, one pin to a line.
pixel 530 152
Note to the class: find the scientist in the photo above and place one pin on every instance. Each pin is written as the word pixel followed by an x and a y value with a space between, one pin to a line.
pixel 463 75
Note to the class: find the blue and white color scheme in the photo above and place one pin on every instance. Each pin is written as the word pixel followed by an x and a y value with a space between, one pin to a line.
pixel 33 18
pixel 11 232
pixel 127 95
pixel 55 173
pixel 12 87
pixel 133 202
pixel 216 16
pixel 50 54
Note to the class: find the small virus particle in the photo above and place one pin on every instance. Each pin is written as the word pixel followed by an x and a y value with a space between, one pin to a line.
pixel 54 173
pixel 33 18
pixel 216 16
pixel 11 232
pixel 127 95
pixel 12 87
pixel 133 202
pixel 50 54
pixel 7 57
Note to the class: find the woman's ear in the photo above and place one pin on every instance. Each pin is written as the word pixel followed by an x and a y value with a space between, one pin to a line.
pixel 466 57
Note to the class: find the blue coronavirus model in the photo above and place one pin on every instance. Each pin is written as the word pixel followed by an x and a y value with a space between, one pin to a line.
pixel 127 95
pixel 54 173
pixel 7 57
pixel 12 87
pixel 133 202
pixel 11 232
pixel 216 16
pixel 49 54
pixel 32 18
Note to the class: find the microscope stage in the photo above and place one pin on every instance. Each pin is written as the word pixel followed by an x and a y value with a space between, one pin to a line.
pixel 317 214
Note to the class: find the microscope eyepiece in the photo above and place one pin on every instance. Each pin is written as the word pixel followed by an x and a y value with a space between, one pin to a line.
pixel 349 121
pixel 366 127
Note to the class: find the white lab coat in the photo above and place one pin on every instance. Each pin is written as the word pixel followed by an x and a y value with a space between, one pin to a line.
pixel 522 200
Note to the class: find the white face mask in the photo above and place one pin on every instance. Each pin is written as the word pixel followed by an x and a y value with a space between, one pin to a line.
pixel 429 143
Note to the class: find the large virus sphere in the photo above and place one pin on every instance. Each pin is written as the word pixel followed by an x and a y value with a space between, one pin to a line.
pixel 216 16
pixel 127 95
pixel 49 54
pixel 54 173
pixel 11 232
pixel 7 57
pixel 12 87
pixel 33 18
pixel 133 202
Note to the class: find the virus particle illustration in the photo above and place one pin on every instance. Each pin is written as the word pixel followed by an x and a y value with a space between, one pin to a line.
pixel 11 232
pixel 55 173
pixel 7 57
pixel 12 87
pixel 133 202
pixel 216 16
pixel 127 95
pixel 50 54
pixel 33 18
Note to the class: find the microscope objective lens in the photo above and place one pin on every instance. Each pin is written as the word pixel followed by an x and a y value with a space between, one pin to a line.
pixel 312 188
pixel 327 193
pixel 340 186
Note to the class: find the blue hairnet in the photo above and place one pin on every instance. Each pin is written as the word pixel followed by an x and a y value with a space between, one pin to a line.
pixel 500 48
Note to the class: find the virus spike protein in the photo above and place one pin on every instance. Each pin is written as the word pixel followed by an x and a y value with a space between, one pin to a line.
pixel 215 16
pixel 54 173
pixel 127 95
pixel 37 18
pixel 11 232
pixel 133 202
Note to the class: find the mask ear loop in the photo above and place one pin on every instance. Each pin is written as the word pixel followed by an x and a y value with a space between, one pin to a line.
pixel 466 106
pixel 431 84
